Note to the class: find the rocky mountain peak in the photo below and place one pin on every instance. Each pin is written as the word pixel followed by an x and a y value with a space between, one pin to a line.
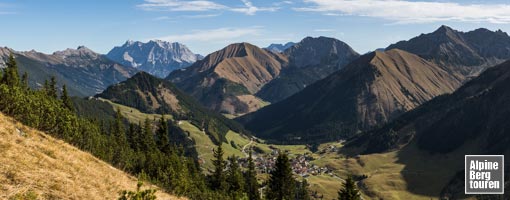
pixel 156 57
pixel 313 51
pixel 79 52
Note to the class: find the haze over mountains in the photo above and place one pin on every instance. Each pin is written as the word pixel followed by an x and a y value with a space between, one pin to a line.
pixel 156 57
pixel 235 79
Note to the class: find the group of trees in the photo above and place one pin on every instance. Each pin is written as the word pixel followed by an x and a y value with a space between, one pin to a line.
pixel 227 177
pixel 152 155
pixel 134 148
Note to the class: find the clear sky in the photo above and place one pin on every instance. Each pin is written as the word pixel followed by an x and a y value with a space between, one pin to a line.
pixel 208 25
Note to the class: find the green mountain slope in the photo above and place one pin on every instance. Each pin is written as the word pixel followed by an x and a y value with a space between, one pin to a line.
pixel 153 95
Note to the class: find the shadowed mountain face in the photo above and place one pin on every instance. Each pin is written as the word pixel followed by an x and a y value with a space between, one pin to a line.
pixel 479 110
pixel 370 91
pixel 310 60
pixel 153 95
pixel 158 58
pixel 84 72
pixel 471 121
pixel 462 53
pixel 239 78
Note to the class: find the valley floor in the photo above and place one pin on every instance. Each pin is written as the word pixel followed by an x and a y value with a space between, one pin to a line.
pixel 404 174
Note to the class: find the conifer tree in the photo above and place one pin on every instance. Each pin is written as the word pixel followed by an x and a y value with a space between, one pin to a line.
pixel 218 176
pixel 24 81
pixel 147 136
pixel 119 136
pixel 68 103
pixel 235 178
pixel 349 190
pixel 302 190
pixel 252 186
pixel 46 87
pixel 11 77
pixel 52 87
pixel 162 134
pixel 281 183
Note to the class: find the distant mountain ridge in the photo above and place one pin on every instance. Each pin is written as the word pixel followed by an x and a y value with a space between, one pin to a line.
pixel 462 53
pixel 156 57
pixel 370 91
pixel 236 79
pixel 84 71
pixel 278 48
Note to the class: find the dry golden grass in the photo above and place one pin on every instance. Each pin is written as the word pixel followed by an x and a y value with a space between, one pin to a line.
pixel 35 164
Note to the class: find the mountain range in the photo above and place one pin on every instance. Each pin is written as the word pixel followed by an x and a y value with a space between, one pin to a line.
pixel 472 120
pixel 84 71
pixel 462 53
pixel 370 91
pixel 156 57
pixel 241 77
pixel 431 99
pixel 278 48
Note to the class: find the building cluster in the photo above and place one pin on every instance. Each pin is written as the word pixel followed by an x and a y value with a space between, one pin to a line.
pixel 300 163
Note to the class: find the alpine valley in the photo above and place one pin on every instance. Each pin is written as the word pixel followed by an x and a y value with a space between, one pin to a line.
pixel 306 120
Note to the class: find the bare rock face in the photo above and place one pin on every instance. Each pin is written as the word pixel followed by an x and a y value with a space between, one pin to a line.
pixel 372 90
pixel 461 53
pixel 156 57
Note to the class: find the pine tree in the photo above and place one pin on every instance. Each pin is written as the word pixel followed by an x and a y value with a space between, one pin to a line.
pixel 68 103
pixel 302 191
pixel 120 140
pixel 24 81
pixel 235 178
pixel 148 194
pixel 11 77
pixel 252 186
pixel 147 137
pixel 281 183
pixel 52 87
pixel 349 190
pixel 162 134
pixel 218 176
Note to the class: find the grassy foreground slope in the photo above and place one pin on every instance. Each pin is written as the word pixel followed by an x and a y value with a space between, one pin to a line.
pixel 36 164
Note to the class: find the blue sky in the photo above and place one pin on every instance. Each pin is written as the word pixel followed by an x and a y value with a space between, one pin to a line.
pixel 208 25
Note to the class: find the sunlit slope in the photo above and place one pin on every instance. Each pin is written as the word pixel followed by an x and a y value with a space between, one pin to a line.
pixel 35 164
